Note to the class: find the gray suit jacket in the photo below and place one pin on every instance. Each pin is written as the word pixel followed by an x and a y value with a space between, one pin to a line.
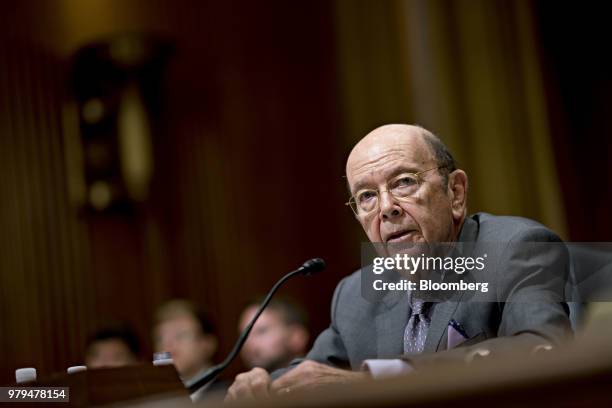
pixel 361 329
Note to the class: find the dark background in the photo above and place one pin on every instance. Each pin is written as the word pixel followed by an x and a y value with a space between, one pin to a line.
pixel 578 85
pixel 253 120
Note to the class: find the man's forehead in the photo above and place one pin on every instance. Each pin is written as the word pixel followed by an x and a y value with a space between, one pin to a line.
pixel 376 153
pixel 404 139
pixel 377 157
pixel 179 322
pixel 268 318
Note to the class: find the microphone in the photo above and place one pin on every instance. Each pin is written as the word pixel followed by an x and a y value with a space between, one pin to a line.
pixel 312 266
pixel 308 268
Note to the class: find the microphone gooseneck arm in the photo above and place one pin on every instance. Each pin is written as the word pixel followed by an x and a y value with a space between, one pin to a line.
pixel 308 268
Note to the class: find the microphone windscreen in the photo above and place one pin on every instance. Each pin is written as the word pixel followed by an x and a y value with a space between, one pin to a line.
pixel 313 265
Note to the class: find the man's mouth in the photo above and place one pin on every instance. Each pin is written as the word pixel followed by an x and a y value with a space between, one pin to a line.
pixel 400 236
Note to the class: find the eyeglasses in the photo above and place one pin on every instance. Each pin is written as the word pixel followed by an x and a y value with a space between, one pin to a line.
pixel 401 188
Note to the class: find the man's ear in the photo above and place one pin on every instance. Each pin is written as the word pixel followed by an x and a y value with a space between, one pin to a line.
pixel 458 187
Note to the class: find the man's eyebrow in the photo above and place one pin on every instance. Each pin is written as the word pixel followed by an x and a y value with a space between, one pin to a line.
pixel 403 169
pixel 395 172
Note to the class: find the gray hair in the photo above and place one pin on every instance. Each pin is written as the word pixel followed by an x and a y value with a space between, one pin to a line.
pixel 443 156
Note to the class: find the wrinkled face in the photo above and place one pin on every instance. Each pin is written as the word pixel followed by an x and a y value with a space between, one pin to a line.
pixel 109 353
pixel 427 216
pixel 191 350
pixel 270 344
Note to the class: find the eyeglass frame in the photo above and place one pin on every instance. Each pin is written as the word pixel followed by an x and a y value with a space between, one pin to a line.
pixel 417 175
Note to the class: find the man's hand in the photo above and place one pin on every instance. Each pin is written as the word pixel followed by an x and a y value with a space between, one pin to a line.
pixel 309 374
pixel 250 385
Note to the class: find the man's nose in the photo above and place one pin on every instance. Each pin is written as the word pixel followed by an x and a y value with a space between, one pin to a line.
pixel 388 206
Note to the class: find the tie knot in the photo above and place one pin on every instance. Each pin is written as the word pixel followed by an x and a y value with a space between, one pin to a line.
pixel 417 307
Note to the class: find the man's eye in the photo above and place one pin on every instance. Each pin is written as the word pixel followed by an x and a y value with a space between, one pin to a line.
pixel 366 196
pixel 406 181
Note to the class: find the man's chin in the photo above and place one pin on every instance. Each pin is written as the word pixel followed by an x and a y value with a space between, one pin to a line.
pixel 410 248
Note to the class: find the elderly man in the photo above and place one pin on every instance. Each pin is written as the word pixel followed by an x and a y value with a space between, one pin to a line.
pixel 405 189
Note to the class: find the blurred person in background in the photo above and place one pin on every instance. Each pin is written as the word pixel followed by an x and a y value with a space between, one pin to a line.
pixel 183 330
pixel 112 347
pixel 279 336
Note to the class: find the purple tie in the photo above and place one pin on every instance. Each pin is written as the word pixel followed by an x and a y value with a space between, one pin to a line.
pixel 416 329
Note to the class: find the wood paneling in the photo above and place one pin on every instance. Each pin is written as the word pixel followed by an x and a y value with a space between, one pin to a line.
pixel 247 182
pixel 45 284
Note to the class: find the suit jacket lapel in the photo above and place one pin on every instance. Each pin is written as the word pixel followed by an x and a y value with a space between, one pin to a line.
pixel 390 324
pixel 443 312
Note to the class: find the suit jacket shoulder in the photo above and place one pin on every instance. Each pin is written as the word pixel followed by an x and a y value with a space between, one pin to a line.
pixel 486 227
